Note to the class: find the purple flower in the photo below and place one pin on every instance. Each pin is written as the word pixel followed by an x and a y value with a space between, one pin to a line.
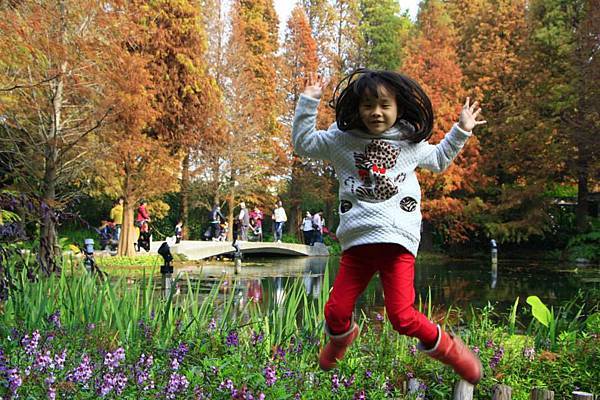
pixel 476 350
pixel 256 338
pixel 177 384
pixel 112 360
pixel 82 373
pixel 270 375
pixel 146 329
pixel 410 375
pixel 142 376
pixel 279 354
pixel 227 385
pixel 14 380
pixel 360 395
pixel 30 344
pixel 232 339
pixel 412 349
pixel 199 393
pixel 110 382
pixel 489 344
pixel 529 353
pixel 59 359
pixel 368 374
pixel 43 362
pixel 179 352
pixel 91 327
pixel 51 393
pixel 348 382
pixel 495 360
pixel 212 325
pixel 387 386
pixel 379 317
pixel 174 364
pixel 54 319
pixel 335 382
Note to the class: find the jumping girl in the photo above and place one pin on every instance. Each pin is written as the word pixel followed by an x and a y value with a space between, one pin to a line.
pixel 383 122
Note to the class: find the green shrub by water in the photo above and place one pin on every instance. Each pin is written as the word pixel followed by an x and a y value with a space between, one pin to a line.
pixel 84 338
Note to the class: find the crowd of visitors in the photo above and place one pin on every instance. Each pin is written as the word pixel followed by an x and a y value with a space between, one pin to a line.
pixel 247 225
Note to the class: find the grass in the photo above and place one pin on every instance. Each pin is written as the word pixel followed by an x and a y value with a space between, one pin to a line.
pixel 225 344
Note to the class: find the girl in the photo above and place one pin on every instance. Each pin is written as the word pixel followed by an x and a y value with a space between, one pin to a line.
pixel 383 122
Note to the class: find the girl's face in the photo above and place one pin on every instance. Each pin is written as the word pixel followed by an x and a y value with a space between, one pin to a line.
pixel 378 113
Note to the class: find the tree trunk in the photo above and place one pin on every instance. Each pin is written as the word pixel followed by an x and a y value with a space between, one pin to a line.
pixel 581 213
pixel 128 231
pixel 185 194
pixel 231 206
pixel 49 254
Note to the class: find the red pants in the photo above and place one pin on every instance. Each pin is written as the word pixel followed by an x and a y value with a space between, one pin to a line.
pixel 396 267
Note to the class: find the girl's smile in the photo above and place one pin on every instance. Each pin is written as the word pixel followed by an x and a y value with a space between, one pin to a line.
pixel 378 113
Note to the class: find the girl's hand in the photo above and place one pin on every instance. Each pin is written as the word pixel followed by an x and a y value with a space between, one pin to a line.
pixel 468 117
pixel 314 84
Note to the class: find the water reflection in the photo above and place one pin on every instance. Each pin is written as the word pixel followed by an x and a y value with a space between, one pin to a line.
pixel 455 283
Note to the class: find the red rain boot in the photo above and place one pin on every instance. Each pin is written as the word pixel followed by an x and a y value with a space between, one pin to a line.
pixel 450 350
pixel 335 349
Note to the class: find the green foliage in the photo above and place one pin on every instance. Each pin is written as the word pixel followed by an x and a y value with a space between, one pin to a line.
pixel 587 245
pixel 381 28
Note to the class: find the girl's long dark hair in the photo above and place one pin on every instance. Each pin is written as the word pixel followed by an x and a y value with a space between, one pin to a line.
pixel 414 105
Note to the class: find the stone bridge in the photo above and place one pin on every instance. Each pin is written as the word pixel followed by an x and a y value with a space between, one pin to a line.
pixel 198 250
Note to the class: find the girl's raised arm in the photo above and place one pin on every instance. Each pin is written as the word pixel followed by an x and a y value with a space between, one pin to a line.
pixel 307 140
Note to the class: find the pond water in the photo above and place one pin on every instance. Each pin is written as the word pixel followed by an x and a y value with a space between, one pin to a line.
pixel 457 283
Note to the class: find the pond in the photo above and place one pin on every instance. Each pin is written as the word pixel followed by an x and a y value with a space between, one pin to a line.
pixel 457 283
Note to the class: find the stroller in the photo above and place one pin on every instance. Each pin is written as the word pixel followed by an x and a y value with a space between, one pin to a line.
pixel 107 233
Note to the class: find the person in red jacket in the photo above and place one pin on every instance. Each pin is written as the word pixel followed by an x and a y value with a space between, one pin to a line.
pixel 141 221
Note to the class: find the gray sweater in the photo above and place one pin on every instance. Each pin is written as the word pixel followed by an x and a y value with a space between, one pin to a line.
pixel 380 197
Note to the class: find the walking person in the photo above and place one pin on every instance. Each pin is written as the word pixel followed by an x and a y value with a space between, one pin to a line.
pixel 317 223
pixel 383 122
pixel 257 216
pixel 307 229
pixel 280 218
pixel 216 219
pixel 116 214
pixel 178 231
pixel 244 219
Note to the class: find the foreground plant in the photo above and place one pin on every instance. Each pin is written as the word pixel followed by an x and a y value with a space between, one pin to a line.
pixel 75 337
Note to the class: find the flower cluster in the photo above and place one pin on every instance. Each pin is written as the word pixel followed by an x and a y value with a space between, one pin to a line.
pixel 54 319
pixel 112 381
pixel 82 373
pixel 177 383
pixel 112 360
pixel 30 345
pixel 270 375
pixel 529 353
pixel 142 372
pixel 498 354
pixel 232 339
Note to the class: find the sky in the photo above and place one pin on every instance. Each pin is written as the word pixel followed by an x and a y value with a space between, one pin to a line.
pixel 284 8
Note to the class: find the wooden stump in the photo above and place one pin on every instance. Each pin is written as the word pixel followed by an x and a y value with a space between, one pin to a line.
pixel 463 390
pixel 582 396
pixel 541 394
pixel 501 392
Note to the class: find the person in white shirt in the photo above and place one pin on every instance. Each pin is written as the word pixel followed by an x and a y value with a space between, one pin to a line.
pixel 280 218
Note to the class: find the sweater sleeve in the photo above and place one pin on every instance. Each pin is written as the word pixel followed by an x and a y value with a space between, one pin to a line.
pixel 307 140
pixel 438 157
